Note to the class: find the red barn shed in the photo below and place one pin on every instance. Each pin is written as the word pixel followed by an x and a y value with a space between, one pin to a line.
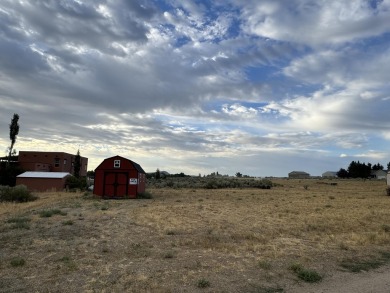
pixel 118 177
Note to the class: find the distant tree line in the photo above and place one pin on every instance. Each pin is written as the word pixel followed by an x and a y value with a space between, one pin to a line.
pixel 360 170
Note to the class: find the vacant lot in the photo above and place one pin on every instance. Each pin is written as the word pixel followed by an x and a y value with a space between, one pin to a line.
pixel 193 240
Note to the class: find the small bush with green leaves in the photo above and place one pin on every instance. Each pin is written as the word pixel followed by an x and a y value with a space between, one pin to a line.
pixel 306 275
pixel 144 195
pixel 74 183
pixel 69 263
pixel 264 265
pixel 203 283
pixel 19 193
pixel 17 262
pixel 49 213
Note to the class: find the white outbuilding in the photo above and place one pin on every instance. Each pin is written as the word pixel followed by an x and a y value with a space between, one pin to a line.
pixel 388 178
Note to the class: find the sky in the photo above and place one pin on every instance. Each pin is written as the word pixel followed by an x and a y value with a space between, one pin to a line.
pixel 257 87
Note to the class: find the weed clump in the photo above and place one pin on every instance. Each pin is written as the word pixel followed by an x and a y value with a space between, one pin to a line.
pixel 203 283
pixel 68 223
pixel 144 195
pixel 19 193
pixel 19 223
pixel 49 213
pixel 306 275
pixel 17 262
pixel 264 265
pixel 356 266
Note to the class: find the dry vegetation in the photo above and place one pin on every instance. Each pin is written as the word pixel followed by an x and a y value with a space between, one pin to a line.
pixel 192 240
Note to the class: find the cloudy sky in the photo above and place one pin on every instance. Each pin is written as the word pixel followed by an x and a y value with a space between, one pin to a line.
pixel 260 87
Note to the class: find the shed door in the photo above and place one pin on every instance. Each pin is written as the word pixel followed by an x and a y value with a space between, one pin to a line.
pixel 115 184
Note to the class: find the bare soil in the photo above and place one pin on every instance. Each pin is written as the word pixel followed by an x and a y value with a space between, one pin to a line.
pixel 195 240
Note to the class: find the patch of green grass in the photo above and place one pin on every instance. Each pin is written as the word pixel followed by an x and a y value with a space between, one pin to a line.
pixel 140 250
pixel 385 256
pixel 203 283
pixel 69 263
pixel 17 262
pixel 355 266
pixel 307 275
pixel 50 213
pixel 68 223
pixel 19 223
pixel 264 265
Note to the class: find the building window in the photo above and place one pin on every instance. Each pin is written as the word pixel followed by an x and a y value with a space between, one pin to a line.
pixel 117 163
pixel 56 162
pixel 65 161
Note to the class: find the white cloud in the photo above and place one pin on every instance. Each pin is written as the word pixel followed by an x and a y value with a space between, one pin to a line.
pixel 205 83
pixel 316 22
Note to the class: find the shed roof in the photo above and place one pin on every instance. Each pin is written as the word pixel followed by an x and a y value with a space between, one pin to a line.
pixel 299 172
pixel 32 174
pixel 136 166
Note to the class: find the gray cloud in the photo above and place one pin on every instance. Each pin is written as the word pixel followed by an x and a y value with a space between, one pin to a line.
pixel 213 84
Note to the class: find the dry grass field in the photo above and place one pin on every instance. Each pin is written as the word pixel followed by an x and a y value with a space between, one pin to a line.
pixel 195 240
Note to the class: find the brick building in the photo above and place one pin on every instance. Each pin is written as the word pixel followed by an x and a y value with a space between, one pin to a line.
pixel 50 162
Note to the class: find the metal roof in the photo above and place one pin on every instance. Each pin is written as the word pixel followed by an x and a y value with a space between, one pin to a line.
pixel 31 174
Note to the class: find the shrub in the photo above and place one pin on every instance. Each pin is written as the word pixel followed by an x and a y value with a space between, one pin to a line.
pixel 144 195
pixel 68 223
pixel 388 190
pixel 264 265
pixel 203 283
pixel 18 193
pixel 18 262
pixel 73 183
pixel 306 275
pixel 49 213
pixel 357 266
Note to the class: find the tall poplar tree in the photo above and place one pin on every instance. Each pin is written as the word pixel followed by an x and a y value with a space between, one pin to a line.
pixel 13 133
pixel 77 165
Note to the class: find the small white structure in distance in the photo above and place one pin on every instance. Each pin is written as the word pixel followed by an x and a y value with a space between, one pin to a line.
pixel 388 178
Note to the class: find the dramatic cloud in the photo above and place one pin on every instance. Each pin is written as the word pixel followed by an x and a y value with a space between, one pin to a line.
pixel 260 87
